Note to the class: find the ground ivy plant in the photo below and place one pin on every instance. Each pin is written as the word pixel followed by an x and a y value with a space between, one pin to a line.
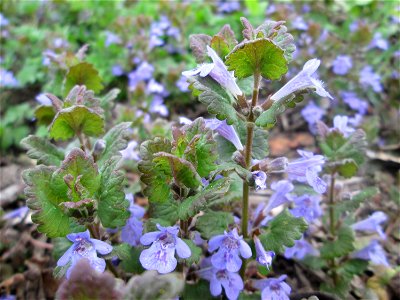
pixel 198 223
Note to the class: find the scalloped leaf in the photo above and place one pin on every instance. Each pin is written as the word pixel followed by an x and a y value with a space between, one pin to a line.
pixel 112 205
pixel 196 253
pixel 157 182
pixel 83 74
pixel 194 204
pixel 282 231
pixel 342 246
pixel 116 140
pixel 44 114
pixel 198 44
pixel 257 56
pixel 219 102
pixel 41 149
pixel 44 200
pixel 76 119
pixel 78 177
pixel 212 223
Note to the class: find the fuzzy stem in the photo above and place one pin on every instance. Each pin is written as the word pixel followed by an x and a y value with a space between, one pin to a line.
pixel 248 151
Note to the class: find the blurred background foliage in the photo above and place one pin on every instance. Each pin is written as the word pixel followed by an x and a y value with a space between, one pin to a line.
pixel 141 48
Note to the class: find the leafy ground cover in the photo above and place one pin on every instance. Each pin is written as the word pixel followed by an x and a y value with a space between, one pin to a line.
pixel 185 150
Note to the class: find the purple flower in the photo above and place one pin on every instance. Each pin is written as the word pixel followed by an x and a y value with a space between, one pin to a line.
pixel 3 20
pixel 132 231
pixel 129 153
pixel 143 72
pixel 111 38
pixel 372 224
pixel 230 244
pixel 281 195
pixel 85 247
pixel 368 78
pixel 60 43
pixel 356 120
pixel 373 252
pixel 218 71
pixel 299 23
pixel 7 79
pixel 182 84
pixel 161 254
pixel 230 281
pixel 117 70
pixel 379 42
pixel 303 81
pixel 260 178
pixel 228 6
pixel 226 131
pixel 342 64
pixel 18 213
pixel 273 288
pixel 308 207
pixel 174 32
pixel 158 106
pixel 312 113
pixel 340 124
pixel 263 257
pixel 355 103
pixel 306 169
pixel 301 249
pixel 43 100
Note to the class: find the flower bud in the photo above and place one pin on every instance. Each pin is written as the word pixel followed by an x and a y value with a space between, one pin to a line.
pixel 99 147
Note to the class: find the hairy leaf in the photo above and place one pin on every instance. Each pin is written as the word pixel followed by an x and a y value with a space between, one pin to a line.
pixel 342 246
pixel 76 119
pixel 44 200
pixel 213 223
pixel 260 56
pixel 41 149
pixel 166 210
pixel 192 205
pixel 83 74
pixel 349 206
pixel 282 231
pixel 112 206
pixel 198 44
pixel 116 140
pixel 44 114
pixel 196 253
pixel 218 100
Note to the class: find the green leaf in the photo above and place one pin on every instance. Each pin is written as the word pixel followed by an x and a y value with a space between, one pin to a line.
pixel 192 291
pixel 112 205
pixel 282 231
pixel 166 210
pixel 213 223
pixel 122 251
pixel 349 206
pixel 219 102
pixel 78 177
pixel 132 263
pixel 183 172
pixel 44 114
pixel 76 119
pixel 196 253
pixel 44 200
pixel 116 140
pixel 83 74
pixel 220 46
pixel 268 118
pixel 260 56
pixel 42 150
pixel 227 168
pixel 348 168
pixel 194 204
pixel 157 182
pixel 342 246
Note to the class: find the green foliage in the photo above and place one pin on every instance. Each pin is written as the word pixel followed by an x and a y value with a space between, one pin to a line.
pixel 83 74
pixel 44 114
pixel 212 223
pixel 341 246
pixel 75 120
pixel 192 291
pixel 42 150
pixel 282 231
pixel 216 98
pixel 112 205
pixel 44 200
pixel 259 56
pixel 116 140
pixel 349 206
pixel 196 253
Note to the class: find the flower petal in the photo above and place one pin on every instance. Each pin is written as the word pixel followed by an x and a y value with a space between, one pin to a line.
pixel 215 242
pixel 149 237
pixel 63 260
pixel 102 247
pixel 182 249
pixel 215 288
pixel 245 250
